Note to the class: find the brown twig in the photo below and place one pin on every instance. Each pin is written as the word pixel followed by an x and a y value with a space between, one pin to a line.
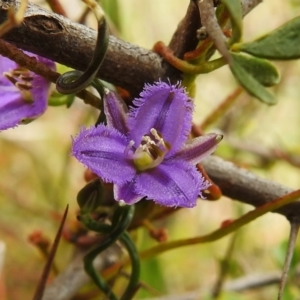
pixel 289 255
pixel 43 280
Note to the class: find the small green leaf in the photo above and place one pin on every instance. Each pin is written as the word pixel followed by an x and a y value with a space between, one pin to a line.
pixel 252 86
pixel 261 69
pixel 236 16
pixel 282 43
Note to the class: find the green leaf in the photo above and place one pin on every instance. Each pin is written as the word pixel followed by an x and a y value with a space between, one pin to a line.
pixel 249 83
pixel 282 43
pixel 261 69
pixel 236 16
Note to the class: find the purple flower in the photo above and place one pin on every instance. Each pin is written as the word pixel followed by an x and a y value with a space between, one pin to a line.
pixel 23 94
pixel 145 152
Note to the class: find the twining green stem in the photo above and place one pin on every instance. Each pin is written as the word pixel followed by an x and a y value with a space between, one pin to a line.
pixel 98 280
pixel 219 233
pixel 74 81
pixel 126 240
pixel 120 222
pixel 98 85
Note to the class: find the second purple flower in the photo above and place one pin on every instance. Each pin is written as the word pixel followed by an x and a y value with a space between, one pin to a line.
pixel 23 94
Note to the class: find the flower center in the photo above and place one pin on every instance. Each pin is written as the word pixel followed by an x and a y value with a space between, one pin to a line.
pixel 150 153
pixel 21 78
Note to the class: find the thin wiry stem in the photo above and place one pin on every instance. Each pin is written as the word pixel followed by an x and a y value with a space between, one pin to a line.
pixel 289 255
pixel 224 268
pixel 43 280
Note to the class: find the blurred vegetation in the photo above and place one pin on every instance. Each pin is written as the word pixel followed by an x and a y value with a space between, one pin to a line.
pixel 39 177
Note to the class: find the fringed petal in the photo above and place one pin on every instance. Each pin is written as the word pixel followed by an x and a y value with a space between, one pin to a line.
pixel 126 192
pixel 175 183
pixel 102 150
pixel 166 108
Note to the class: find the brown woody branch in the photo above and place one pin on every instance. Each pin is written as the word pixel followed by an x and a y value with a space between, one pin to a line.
pixel 244 186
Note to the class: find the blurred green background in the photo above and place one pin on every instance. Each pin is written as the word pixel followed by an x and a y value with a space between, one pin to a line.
pixel 39 177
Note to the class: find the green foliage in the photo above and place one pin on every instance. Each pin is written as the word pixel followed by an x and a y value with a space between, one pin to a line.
pixel 261 69
pixel 249 82
pixel 254 73
pixel 282 43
